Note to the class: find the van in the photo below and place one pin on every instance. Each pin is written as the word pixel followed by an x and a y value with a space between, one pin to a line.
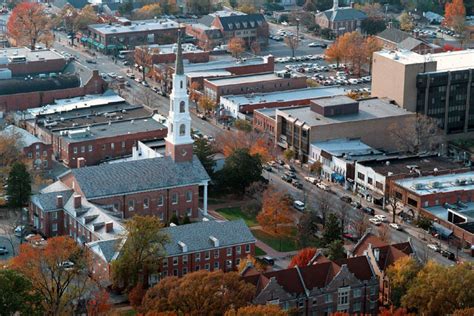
pixel 340 74
pixel 299 205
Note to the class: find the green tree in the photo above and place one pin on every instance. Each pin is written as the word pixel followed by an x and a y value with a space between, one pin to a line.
pixel 332 230
pixel 424 223
pixel 335 250
pixel 204 151
pixel 16 295
pixel 406 22
pixel 200 7
pixel 125 8
pixel 186 220
pixel 307 229
pixel 19 185
pixel 401 276
pixel 240 170
pixel 373 25
pixel 243 125
pixel 141 253
pixel 289 154
pixel 327 33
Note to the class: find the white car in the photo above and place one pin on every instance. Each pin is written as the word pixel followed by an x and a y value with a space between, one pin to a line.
pixel 381 217
pixel 299 205
pixel 433 247
pixel 112 74
pixel 375 221
pixel 322 186
pixel 396 226
pixel 311 180
pixel 19 230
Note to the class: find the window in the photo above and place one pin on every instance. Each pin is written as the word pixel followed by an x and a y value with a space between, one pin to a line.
pixel 185 271
pixel 45 153
pixel 189 196
pixel 247 248
pixel 131 205
pixel 55 227
pixel 208 255
pixel 216 254
pixel 229 252
pixel 175 272
pixel 216 265
pixel 356 307
pixel 112 146
pixel 174 198
pixel 328 298
pixel 160 200
pixel 54 215
pixel 103 146
pixel 182 130
pixel 197 268
pixel 74 150
pixel 30 155
pixel 237 250
pixel 343 296
pixel 361 176
pixel 373 289
pixel 189 212
pixel 356 293
pixel 182 107
pixel 301 303
pixel 123 144
pixel 146 203
pixel 90 148
pixel 197 257
pixel 369 180
pixel 185 259
pixel 206 266
pixel 379 185
pixel 83 149
pixel 175 261
pixel 181 84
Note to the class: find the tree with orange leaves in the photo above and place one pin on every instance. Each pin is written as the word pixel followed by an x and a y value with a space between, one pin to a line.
pixel 229 141
pixel 194 94
pixel 99 304
pixel 236 46
pixel 259 266
pixel 392 311
pixel 207 104
pixel 58 272
pixel 302 258
pixel 334 53
pixel 257 310
pixel 455 14
pixel 275 217
pixel 29 24
pixel 371 46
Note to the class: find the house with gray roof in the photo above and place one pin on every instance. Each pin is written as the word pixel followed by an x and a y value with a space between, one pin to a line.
pixel 249 27
pixel 395 39
pixel 340 19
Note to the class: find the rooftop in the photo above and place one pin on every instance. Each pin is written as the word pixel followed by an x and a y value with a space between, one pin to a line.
pixel 172 48
pixel 406 165
pixel 465 209
pixel 136 26
pixel 439 183
pixel 238 22
pixel 343 14
pixel 15 54
pixel 334 100
pixel 284 96
pixel 110 129
pixel 22 85
pixel 368 110
pixel 198 236
pixel 222 64
pixel 345 147
pixel 252 78
pixel 153 174
pixel 25 138
pixel 393 35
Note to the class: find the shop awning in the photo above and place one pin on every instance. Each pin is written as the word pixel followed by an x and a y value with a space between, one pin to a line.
pixel 443 231
pixel 101 46
pixel 84 39
pixel 90 40
pixel 111 46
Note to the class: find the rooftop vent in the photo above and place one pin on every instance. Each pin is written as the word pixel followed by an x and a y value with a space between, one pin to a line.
pixel 184 247
pixel 214 240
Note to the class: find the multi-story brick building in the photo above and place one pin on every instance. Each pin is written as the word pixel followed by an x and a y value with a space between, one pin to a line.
pixel 340 19
pixel 23 61
pixel 165 54
pixel 104 141
pixel 110 38
pixel 214 88
pixel 207 37
pixel 347 285
pixel 395 39
pixel 37 153
pixel 249 27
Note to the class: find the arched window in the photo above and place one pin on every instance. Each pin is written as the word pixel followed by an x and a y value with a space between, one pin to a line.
pixel 182 130
pixel 171 127
pixel 182 107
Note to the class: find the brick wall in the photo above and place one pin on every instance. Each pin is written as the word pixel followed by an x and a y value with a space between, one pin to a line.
pixel 264 123
pixel 36 67
pixel 39 155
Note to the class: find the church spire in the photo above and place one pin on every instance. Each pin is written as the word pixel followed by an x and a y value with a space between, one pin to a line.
pixel 179 69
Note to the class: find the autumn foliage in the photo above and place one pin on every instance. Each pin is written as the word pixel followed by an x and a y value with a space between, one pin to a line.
pixel 257 310
pixel 29 24
pixel 453 11
pixel 256 143
pixel 236 46
pixel 303 257
pixel 99 304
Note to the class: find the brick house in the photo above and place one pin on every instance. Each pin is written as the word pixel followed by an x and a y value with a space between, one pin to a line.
pixel 347 285
pixel 38 154
pixel 103 141
pixel 395 39
pixel 340 19
pixel 249 27
pixel 165 54
pixel 254 83
pixel 381 256
pixel 207 37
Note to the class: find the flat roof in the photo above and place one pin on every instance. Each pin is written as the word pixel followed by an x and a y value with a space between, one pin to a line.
pixel 439 184
pixel 334 100
pixel 211 73
pixel 368 110
pixel 441 211
pixel 444 61
pixel 136 26
pixel 222 63
pixel 35 55
pixel 284 96
pixel 110 129
pixel 172 48
pixel 345 147
pixel 253 78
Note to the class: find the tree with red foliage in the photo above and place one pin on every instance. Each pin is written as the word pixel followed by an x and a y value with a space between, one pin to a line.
pixel 303 257
pixel 29 24
pixel 394 312
pixel 99 304
pixel 453 10
pixel 450 48
pixel 135 296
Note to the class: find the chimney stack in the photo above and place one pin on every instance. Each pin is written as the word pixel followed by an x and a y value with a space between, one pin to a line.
pixel 81 162
pixel 77 201
pixel 352 4
pixel 59 201
pixel 109 227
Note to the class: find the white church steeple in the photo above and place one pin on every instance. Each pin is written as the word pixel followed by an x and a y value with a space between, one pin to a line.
pixel 179 143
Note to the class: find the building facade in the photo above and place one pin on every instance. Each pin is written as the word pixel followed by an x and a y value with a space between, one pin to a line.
pixel 249 27
pixel 340 19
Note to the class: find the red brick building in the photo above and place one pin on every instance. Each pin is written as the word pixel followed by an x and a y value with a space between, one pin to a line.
pixel 38 154
pixel 207 37
pixel 255 83
pixel 105 141
pixel 249 27
pixel 21 97
pixel 166 54
pixel 23 61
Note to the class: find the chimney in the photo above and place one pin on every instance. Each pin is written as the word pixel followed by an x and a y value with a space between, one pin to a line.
pixel 390 25
pixel 59 201
pixel 335 5
pixel 214 240
pixel 109 227
pixel 352 4
pixel 183 246
pixel 377 254
pixel 81 162
pixel 95 73
pixel 77 201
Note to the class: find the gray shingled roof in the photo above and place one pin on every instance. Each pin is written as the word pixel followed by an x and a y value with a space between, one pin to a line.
pixel 109 248
pixel 26 138
pixel 137 176
pixel 47 201
pixel 241 22
pixel 196 236
pixel 393 35
pixel 409 43
pixel 344 14
pixel 206 20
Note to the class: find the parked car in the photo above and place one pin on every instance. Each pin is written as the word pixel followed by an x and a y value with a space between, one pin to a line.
pixel 290 167
pixel 299 205
pixel 356 204
pixel 290 174
pixel 267 168
pixel 433 247
pixel 322 186
pixel 91 61
pixel 3 250
pixel 381 217
pixel 286 178
pixel 66 265
pixel 448 254
pixel 396 226
pixel 346 199
pixel 268 260
pixel 112 75
pixel 297 184
pixel 369 210
pixel 375 221
pixel 20 231
pixel 311 180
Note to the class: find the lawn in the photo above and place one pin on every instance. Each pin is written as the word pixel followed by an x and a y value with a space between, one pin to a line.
pixel 259 252
pixel 287 243
pixel 233 213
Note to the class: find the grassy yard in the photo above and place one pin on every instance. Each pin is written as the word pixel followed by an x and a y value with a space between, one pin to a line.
pixel 233 213
pixel 259 252
pixel 287 243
